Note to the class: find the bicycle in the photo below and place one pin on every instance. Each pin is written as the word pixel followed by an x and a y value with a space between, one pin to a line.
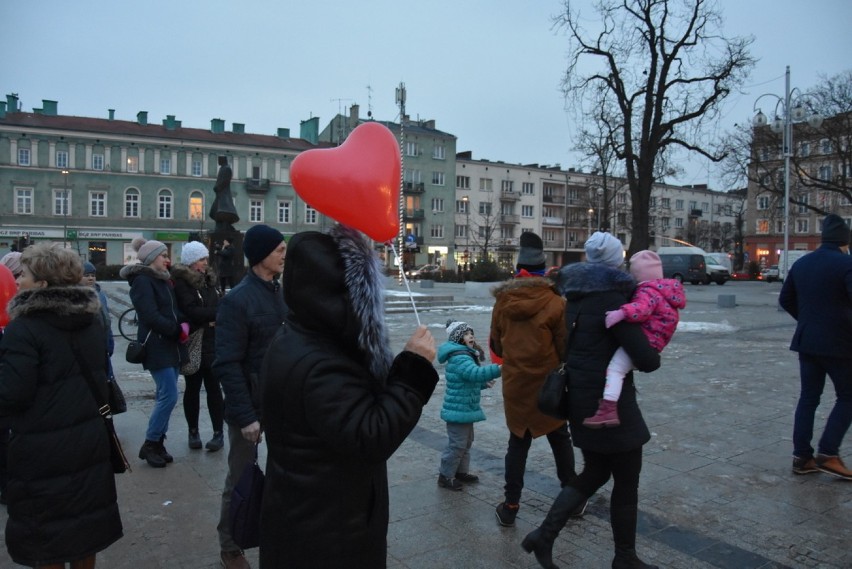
pixel 128 322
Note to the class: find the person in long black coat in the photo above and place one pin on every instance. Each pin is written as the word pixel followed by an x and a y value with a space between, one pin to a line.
pixel 591 289
pixel 61 492
pixel 336 405
pixel 818 294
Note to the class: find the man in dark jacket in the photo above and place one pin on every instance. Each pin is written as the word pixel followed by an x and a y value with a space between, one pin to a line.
pixel 336 406
pixel 818 294
pixel 247 319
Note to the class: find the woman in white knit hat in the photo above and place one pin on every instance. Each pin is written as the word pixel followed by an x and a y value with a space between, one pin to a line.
pixel 198 299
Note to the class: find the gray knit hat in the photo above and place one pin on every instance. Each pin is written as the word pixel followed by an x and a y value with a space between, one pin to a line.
pixel 147 251
pixel 456 330
pixel 193 251
pixel 604 248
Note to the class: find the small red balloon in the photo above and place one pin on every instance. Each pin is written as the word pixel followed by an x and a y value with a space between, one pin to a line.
pixel 8 288
pixel 357 183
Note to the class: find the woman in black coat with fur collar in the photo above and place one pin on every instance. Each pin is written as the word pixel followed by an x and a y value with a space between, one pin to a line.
pixel 591 289
pixel 61 493
pixel 336 405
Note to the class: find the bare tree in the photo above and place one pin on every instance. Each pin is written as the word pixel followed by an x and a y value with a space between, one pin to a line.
pixel 821 162
pixel 660 70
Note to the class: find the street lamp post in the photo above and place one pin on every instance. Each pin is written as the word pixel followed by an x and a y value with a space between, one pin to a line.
pixel 466 201
pixel 783 123
pixel 65 208
pixel 591 213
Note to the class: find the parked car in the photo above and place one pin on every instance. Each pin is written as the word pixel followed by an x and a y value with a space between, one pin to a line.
pixel 715 272
pixel 770 274
pixel 423 272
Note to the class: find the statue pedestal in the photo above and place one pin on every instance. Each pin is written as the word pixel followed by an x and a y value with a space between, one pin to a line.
pixel 238 268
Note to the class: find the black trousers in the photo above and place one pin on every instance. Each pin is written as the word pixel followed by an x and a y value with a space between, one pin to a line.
pixel 516 460
pixel 192 398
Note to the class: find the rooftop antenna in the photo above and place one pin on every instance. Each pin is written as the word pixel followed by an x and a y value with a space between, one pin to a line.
pixel 369 101
pixel 342 122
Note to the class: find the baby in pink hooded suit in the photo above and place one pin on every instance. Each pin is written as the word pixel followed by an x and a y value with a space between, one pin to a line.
pixel 654 306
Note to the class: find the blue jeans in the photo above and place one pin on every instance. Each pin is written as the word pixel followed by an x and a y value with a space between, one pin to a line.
pixel 166 398
pixel 813 370
pixel 456 457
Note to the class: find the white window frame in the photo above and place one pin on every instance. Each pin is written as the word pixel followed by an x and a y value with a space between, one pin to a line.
pixel 463 182
pixel 23 157
pixel 485 184
pixel 24 201
pixel 132 164
pixel 165 166
pixel 98 162
pixel 527 210
pixel 165 204
pixel 196 168
pixel 62 159
pixel 763 202
pixel 199 214
pixel 132 202
pixel 507 186
pixel 437 205
pixel 62 202
pixel 255 211
pixel 438 152
pixel 97 204
pixel 285 211
pixel 528 188
pixel 311 215
pixel 802 225
pixel 436 231
pixel 437 178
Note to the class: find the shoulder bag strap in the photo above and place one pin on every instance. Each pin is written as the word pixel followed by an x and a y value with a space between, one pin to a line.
pixel 103 405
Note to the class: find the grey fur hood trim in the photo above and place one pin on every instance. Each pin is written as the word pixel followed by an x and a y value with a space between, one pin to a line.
pixel 584 278
pixel 61 301
pixel 364 279
pixel 130 272
pixel 522 282
pixel 196 280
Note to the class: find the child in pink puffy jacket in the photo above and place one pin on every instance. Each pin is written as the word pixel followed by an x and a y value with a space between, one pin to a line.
pixel 655 306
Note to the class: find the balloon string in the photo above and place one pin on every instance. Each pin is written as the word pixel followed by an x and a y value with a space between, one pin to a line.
pixel 405 280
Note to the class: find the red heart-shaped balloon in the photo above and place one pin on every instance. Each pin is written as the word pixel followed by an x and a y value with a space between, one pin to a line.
pixel 356 183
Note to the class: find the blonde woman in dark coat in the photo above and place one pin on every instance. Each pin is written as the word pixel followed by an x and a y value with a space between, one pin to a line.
pixel 61 493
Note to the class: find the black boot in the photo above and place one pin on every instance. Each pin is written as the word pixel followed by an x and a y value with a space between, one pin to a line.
pixel 540 541
pixel 150 452
pixel 194 439
pixel 623 522
pixel 163 452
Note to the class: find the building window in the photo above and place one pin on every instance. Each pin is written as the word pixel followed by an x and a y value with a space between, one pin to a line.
pixel 678 205
pixel 132 164
pixel 438 178
pixel 826 146
pixel 23 157
pixel 437 205
pixel 666 203
pixel 412 176
pixel 24 201
pixel 692 205
pixel 825 173
pixel 196 168
pixel 61 202
pixel 484 208
pixel 411 149
pixel 284 209
pixel 97 204
pixel 462 206
pixel 762 226
pixel 461 231
pixel 164 204
pixel 437 231
pixel 131 203
pixel 762 202
pixel 507 186
pixel 803 200
pixel 463 182
pixel 801 226
pixel 97 162
pixel 438 152
pixel 528 188
pixel 165 166
pixel 485 184
pixel 665 223
pixel 805 149
pixel 256 211
pixel 527 211
pixel 678 223
pixel 196 205
pixel 311 216
pixel 61 159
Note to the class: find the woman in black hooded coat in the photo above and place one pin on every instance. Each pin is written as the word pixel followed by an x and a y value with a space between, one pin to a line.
pixel 61 492
pixel 336 405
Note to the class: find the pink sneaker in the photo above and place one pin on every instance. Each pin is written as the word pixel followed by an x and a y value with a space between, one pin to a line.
pixel 607 416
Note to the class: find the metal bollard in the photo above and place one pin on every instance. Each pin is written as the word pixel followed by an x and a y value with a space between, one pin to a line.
pixel 427 283
pixel 727 301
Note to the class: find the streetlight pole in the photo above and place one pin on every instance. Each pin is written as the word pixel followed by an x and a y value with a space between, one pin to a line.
pixel 65 209
pixel 784 124
pixel 591 213
pixel 466 202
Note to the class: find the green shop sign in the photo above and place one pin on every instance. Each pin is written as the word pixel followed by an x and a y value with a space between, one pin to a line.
pixel 172 236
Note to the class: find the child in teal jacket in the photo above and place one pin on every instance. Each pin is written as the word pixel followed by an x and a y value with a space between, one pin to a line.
pixel 466 378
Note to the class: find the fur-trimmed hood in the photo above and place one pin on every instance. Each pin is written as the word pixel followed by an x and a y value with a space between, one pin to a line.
pixel 580 279
pixel 333 285
pixel 130 272
pixel 524 297
pixel 196 280
pixel 67 307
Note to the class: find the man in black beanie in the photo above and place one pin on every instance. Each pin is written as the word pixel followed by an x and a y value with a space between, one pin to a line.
pixel 247 318
pixel 818 294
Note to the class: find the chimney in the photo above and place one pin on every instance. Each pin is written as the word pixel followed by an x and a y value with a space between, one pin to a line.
pixel 3 112
pixel 353 113
pixel 142 118
pixel 12 103
pixel 283 133
pixel 217 126
pixel 430 124
pixel 111 114
pixel 50 107
pixel 309 130
pixel 239 128
pixel 170 123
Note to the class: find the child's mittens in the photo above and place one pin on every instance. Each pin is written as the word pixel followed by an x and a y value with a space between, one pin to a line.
pixel 184 332
pixel 613 317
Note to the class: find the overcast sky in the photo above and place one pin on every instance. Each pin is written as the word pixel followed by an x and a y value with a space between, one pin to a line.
pixel 488 71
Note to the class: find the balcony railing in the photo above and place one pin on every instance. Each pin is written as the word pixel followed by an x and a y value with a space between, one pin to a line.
pixel 509 196
pixel 257 186
pixel 510 218
pixel 552 221
pixel 553 199
pixel 413 187
pixel 414 214
pixel 553 243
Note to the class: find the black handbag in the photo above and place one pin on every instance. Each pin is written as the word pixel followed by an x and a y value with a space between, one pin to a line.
pixel 553 399
pixel 244 513
pixel 116 454
pixel 117 402
pixel 135 353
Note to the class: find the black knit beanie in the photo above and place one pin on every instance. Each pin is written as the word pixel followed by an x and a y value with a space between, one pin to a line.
pixel 531 255
pixel 835 230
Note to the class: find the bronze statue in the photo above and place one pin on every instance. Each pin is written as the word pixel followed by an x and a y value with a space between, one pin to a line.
pixel 223 211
